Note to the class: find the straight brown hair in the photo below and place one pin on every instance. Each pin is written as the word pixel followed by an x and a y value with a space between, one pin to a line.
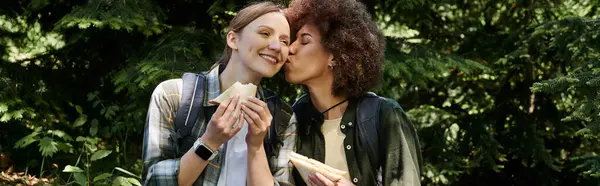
pixel 242 19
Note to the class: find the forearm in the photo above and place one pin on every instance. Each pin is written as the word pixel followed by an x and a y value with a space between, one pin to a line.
pixel 192 165
pixel 258 167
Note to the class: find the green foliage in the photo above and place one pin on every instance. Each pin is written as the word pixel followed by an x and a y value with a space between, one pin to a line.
pixel 502 92
pixel 142 15
pixel 580 39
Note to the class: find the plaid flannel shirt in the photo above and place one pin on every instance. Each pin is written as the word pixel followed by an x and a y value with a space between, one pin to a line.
pixel 161 164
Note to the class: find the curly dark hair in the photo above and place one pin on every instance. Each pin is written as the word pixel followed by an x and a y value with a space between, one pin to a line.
pixel 349 33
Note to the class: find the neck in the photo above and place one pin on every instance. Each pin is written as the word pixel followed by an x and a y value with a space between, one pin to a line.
pixel 236 71
pixel 322 98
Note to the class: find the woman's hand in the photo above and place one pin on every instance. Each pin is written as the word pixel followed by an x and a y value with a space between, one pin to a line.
pixel 221 126
pixel 320 180
pixel 258 117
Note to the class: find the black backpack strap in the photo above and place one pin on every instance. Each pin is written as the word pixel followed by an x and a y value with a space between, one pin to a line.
pixel 192 99
pixel 270 140
pixel 368 122
pixel 280 113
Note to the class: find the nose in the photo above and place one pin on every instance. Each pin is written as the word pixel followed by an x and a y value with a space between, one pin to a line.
pixel 292 48
pixel 275 45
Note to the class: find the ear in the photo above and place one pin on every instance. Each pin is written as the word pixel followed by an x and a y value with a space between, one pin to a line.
pixel 331 60
pixel 232 40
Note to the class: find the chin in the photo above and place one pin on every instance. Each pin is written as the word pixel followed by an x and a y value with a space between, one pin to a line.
pixel 264 71
pixel 291 79
pixel 267 73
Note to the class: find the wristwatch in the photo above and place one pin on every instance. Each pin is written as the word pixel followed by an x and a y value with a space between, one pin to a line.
pixel 203 151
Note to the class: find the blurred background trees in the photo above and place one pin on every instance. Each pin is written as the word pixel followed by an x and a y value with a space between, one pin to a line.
pixel 503 92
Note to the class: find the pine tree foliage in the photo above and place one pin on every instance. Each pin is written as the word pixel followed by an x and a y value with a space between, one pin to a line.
pixel 182 50
pixel 579 38
pixel 502 92
pixel 420 65
pixel 142 15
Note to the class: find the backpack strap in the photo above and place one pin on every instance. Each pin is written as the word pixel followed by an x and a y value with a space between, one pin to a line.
pixel 192 99
pixel 271 140
pixel 369 127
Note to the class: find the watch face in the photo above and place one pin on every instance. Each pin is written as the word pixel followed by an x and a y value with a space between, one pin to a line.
pixel 203 152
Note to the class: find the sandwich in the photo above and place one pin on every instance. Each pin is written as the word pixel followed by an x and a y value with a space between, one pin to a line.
pixel 244 90
pixel 307 166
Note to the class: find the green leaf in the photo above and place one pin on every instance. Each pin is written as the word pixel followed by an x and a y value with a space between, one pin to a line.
pixel 48 146
pixel 91 96
pixel 80 138
pixel 5 117
pixel 25 141
pixel 126 172
pixel 134 181
pixel 120 180
pixel 94 128
pixel 80 179
pixel 79 109
pixel 101 177
pixel 65 147
pixel 80 121
pixel 100 154
pixel 70 168
pixel 87 140
pixel 91 147
pixel 3 107
pixel 60 134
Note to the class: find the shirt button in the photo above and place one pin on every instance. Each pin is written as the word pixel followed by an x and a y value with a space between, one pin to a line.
pixel 355 180
pixel 348 147
pixel 349 123
pixel 343 126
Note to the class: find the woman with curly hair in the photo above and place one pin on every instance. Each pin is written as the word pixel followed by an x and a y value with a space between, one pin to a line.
pixel 337 55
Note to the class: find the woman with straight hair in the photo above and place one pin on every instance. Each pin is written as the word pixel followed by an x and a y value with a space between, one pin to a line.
pixel 229 143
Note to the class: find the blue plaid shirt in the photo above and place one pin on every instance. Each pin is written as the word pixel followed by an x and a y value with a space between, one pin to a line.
pixel 161 167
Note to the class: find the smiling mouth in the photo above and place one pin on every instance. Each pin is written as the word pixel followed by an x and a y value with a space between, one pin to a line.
pixel 269 58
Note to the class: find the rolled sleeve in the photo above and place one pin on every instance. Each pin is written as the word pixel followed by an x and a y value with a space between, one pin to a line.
pixel 403 155
pixel 160 164
pixel 163 173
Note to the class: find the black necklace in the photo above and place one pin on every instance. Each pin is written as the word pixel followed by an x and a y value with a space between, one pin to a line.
pixel 322 113
pixel 314 117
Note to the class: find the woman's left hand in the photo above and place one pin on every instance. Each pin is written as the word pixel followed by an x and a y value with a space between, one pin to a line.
pixel 258 117
pixel 320 180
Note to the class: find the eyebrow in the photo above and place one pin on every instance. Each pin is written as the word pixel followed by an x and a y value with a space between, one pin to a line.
pixel 305 34
pixel 271 28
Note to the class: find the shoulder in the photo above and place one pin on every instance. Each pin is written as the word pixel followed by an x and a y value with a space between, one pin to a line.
pixel 301 102
pixel 167 93
pixel 389 104
pixel 168 87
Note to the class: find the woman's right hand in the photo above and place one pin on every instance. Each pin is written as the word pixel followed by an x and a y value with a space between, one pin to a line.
pixel 221 125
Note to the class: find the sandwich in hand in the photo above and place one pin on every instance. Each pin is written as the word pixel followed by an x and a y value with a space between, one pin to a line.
pixel 244 90
pixel 307 166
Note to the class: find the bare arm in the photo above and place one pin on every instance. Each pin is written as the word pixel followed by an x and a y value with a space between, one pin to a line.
pixel 258 167
pixel 191 166
pixel 259 118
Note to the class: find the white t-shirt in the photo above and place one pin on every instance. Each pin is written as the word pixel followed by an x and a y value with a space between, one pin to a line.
pixel 335 155
pixel 235 163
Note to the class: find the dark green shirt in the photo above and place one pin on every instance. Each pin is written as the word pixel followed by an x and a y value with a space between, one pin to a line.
pixel 400 148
